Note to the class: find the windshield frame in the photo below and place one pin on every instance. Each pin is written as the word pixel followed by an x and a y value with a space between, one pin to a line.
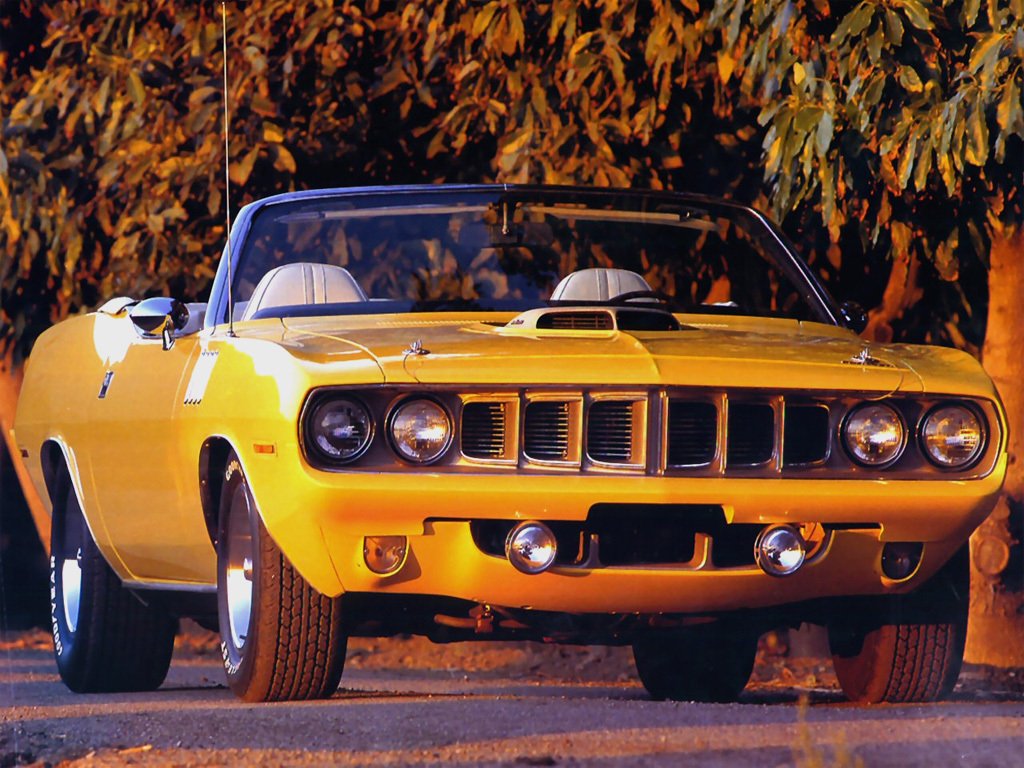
pixel 817 298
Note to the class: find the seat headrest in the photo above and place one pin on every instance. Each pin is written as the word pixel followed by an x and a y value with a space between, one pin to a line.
pixel 598 285
pixel 303 283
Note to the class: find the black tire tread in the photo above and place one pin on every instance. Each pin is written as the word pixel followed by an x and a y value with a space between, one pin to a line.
pixel 120 644
pixel 711 665
pixel 913 654
pixel 297 648
pixel 304 666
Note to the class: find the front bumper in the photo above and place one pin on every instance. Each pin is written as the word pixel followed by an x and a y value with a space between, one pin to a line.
pixel 319 521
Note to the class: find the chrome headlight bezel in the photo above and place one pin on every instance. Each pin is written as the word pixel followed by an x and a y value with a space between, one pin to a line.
pixel 316 444
pixel 396 441
pixel 979 448
pixel 854 447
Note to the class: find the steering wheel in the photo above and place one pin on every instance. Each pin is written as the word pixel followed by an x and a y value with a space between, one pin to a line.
pixel 658 296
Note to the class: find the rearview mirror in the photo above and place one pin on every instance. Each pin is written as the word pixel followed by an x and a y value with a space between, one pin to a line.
pixel 159 316
pixel 853 316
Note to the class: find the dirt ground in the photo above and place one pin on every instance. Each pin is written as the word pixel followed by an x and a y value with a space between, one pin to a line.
pixel 407 701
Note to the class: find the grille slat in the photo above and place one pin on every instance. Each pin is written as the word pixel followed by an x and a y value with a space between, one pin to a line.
pixel 483 430
pixel 692 433
pixel 546 431
pixel 610 432
pixel 552 431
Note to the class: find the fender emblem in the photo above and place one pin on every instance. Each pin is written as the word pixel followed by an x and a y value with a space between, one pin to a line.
pixel 107 378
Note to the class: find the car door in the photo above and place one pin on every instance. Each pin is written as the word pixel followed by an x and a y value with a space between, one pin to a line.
pixel 144 479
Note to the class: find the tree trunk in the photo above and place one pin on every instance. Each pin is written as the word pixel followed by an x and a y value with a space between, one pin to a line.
pixel 996 631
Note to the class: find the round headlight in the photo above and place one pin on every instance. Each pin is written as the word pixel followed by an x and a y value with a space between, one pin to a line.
pixel 420 430
pixel 339 429
pixel 952 436
pixel 874 434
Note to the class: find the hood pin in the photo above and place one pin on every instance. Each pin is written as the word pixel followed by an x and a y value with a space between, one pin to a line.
pixel 416 348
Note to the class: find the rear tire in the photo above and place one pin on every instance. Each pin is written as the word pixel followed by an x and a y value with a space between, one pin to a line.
pixel 905 648
pixel 104 638
pixel 707 664
pixel 281 640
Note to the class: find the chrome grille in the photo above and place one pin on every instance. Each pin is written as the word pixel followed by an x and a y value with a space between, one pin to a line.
pixel 692 433
pixel 546 431
pixel 483 430
pixel 610 431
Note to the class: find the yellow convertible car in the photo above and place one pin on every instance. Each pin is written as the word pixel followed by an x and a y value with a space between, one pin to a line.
pixel 510 412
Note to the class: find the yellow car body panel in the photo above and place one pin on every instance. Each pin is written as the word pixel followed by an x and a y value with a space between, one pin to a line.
pixel 135 453
pixel 450 294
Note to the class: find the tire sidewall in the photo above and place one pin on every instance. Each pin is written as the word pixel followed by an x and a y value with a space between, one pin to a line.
pixel 239 664
pixel 66 643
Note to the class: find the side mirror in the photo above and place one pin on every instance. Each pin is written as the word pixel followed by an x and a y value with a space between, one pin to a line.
pixel 853 316
pixel 159 317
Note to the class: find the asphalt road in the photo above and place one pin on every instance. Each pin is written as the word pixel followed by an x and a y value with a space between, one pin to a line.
pixel 405 702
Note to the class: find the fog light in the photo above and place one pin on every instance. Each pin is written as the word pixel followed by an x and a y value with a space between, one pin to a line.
pixel 531 547
pixel 901 558
pixel 779 550
pixel 385 555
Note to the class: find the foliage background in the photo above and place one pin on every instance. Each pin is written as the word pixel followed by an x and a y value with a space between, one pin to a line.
pixel 111 157
pixel 885 135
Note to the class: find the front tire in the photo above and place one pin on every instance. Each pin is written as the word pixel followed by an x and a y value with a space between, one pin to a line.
pixel 104 638
pixel 281 640
pixel 706 664
pixel 905 648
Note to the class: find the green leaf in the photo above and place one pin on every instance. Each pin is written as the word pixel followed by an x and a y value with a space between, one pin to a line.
pixel 807 118
pixel 917 14
pixel 977 135
pixel 907 162
pixel 875 43
pixel 823 136
pixel 909 79
pixel 894 27
pixel 860 18
pixel 971 8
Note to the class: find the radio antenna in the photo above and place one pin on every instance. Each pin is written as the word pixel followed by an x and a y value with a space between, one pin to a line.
pixel 227 165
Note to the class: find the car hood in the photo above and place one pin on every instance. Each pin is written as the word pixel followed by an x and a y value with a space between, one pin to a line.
pixel 729 352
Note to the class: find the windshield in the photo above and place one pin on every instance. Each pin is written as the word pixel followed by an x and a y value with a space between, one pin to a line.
pixel 507 250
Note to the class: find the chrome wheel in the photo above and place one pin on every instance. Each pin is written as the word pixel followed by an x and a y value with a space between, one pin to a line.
pixel 239 551
pixel 71 588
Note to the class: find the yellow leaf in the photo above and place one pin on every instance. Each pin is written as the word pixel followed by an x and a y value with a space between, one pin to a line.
pixel 799 73
pixel 99 102
pixel 726 65
pixel 239 172
pixel 272 133
pixel 517 141
pixel 135 88
pixel 284 160
pixel 467 70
